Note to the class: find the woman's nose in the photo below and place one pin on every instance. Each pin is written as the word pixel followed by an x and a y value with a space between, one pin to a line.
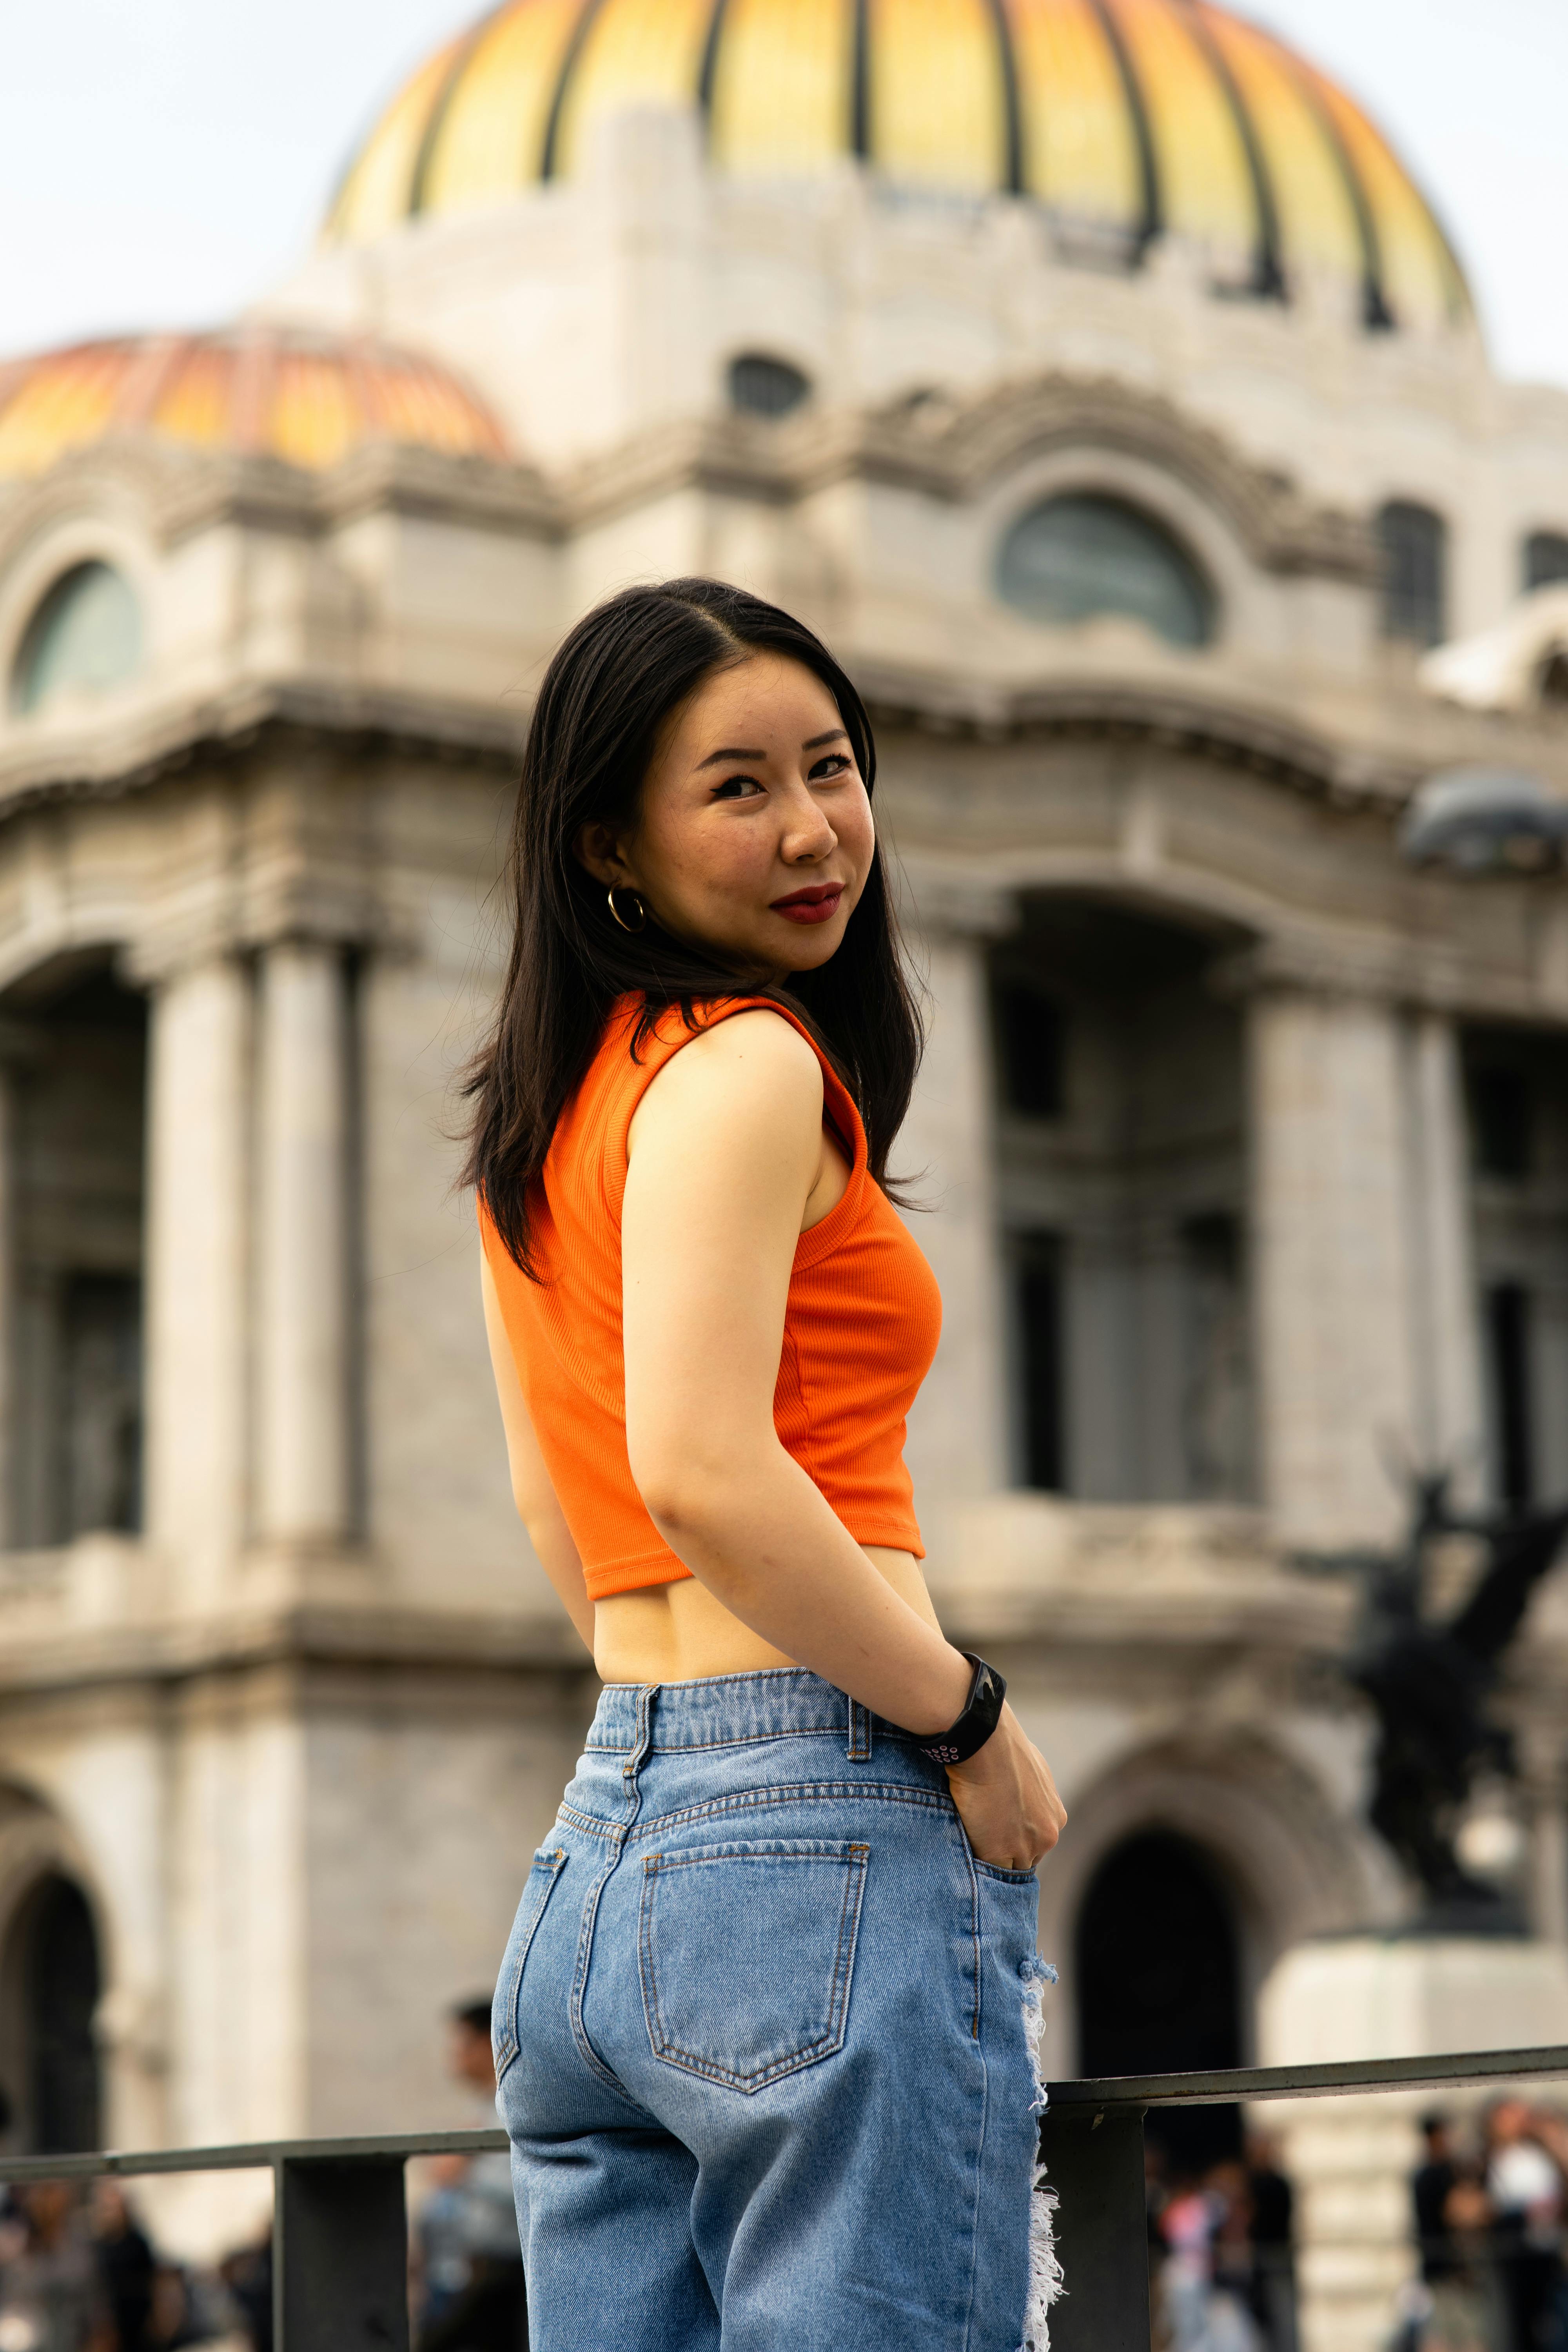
pixel 808 836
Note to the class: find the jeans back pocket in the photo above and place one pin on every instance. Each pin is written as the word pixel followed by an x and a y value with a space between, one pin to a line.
pixel 746 1952
pixel 548 1865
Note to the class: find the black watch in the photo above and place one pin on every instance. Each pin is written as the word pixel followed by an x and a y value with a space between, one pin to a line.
pixel 982 1714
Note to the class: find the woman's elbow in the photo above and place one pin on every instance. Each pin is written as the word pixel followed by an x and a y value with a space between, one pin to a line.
pixel 689 1499
pixel 698 1473
pixel 680 1510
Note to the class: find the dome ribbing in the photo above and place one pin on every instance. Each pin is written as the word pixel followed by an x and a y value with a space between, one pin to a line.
pixel 1124 118
pixel 273 391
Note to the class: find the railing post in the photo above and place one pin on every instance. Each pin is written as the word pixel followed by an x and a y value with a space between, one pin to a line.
pixel 1094 2160
pixel 339 2255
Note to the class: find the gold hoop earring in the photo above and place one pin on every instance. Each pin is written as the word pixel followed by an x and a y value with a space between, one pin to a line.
pixel 641 923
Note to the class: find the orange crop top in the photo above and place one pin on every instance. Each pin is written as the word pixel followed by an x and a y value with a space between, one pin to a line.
pixel 861 1325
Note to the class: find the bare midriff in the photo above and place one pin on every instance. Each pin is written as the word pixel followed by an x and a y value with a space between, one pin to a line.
pixel 681 1633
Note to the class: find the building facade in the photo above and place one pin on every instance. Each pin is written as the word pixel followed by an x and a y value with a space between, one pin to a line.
pixel 1090 374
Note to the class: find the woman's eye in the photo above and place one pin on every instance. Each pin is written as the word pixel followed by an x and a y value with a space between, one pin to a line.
pixel 737 788
pixel 836 763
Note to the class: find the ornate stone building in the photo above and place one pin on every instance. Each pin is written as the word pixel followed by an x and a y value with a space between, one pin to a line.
pixel 1093 376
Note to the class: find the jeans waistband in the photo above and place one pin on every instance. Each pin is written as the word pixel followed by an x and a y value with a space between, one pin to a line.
pixel 723 1710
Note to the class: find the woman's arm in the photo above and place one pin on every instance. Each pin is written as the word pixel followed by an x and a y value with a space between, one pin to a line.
pixel 532 1491
pixel 724 1149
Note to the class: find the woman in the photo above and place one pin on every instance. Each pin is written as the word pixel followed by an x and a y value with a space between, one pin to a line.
pixel 761 2033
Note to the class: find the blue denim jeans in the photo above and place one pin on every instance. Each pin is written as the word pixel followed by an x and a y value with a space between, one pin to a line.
pixel 765 2043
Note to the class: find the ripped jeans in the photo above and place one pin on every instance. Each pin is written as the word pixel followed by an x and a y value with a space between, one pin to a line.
pixel 763 2037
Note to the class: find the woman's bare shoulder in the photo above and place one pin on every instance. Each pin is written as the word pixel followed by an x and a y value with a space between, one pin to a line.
pixel 750 1067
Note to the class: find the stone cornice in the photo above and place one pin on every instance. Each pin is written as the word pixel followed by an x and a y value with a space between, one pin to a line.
pixel 1115 1586
pixel 1425 974
pixel 955 450
pixel 1215 725
pixel 382 478
pixel 1214 722
pixel 178 491
pixel 375 1638
pixel 936 447
pixel 105 763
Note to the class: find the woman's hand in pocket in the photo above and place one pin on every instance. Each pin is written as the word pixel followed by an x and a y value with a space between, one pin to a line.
pixel 1007 1799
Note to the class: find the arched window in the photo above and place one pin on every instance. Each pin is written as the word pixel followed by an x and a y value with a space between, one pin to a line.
pixel 1159 1981
pixel 86 635
pixel 1415 572
pixel 1545 559
pixel 761 386
pixel 52 1982
pixel 1075 557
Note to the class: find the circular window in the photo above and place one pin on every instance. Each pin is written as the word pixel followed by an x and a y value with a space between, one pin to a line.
pixel 84 636
pixel 1079 556
pixel 760 386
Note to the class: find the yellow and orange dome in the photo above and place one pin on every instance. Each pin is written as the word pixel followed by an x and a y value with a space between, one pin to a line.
pixel 265 391
pixel 1124 117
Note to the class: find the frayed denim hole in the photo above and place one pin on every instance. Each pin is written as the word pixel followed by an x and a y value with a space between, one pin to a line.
pixel 1045 2282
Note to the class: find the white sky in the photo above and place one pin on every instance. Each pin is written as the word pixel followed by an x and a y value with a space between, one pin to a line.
pixel 161 162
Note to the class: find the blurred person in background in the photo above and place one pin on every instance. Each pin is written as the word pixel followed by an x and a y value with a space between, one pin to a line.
pixel 1203 2281
pixel 1156 2197
pixel 10 2212
pixel 469 2254
pixel 1552 2131
pixel 1271 2209
pixel 51 2292
pixel 127 2266
pixel 1230 2247
pixel 246 2274
pixel 1525 2185
pixel 1454 2308
pixel 1430 2187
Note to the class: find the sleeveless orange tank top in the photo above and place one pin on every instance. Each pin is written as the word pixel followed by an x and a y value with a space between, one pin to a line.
pixel 861 1325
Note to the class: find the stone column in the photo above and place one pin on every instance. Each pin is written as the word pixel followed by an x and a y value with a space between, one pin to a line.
pixel 197 1217
pixel 1332 1260
pixel 958 1430
pixel 303 1474
pixel 1445 1337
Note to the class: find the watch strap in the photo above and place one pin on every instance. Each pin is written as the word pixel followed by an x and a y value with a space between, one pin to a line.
pixel 982 1714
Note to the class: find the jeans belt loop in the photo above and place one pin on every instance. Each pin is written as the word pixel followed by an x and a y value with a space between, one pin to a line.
pixel 859 1749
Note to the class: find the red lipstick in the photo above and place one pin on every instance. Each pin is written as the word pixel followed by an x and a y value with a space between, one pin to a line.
pixel 816 904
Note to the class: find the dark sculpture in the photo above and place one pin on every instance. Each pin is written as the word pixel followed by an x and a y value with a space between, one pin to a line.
pixel 1429 1682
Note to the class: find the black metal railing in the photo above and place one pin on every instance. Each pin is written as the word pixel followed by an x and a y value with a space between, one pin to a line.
pixel 1092 2141
pixel 339 2231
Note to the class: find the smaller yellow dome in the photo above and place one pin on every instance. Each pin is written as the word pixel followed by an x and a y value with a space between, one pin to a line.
pixel 272 392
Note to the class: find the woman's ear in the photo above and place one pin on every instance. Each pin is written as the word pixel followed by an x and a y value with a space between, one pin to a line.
pixel 595 848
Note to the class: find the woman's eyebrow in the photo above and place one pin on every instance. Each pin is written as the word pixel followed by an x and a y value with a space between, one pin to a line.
pixel 743 752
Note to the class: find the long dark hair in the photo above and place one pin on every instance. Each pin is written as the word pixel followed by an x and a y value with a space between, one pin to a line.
pixel 613 681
